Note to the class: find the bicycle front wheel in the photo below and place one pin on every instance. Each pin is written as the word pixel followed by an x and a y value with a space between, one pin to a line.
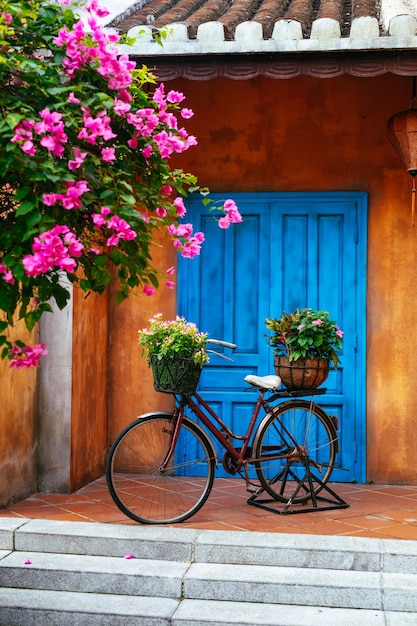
pixel 294 436
pixel 146 487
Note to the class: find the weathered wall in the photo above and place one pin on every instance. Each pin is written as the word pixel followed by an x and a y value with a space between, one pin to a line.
pixel 88 435
pixel 302 134
pixel 310 134
pixel 130 380
pixel 18 428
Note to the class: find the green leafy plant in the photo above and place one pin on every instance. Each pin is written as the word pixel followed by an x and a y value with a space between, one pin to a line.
pixel 305 333
pixel 86 139
pixel 173 338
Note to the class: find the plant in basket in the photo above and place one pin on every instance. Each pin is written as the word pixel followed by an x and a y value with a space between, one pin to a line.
pixel 176 351
pixel 305 338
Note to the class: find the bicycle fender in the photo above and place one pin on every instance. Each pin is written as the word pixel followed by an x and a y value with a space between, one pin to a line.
pixel 288 403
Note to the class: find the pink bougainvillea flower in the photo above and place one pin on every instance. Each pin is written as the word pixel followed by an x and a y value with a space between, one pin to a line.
pixel 175 96
pixel 129 556
pixel 7 17
pixel 179 207
pixel 232 211
pixel 147 152
pixel 26 357
pixel 28 562
pixel 53 249
pixel 148 290
pixel 121 107
pixel 161 212
pixel 51 198
pixel 73 99
pixel 224 222
pixel 187 113
pixel 28 148
pixel 78 160
pixel 6 274
pixel 108 155
pixel 170 270
pixel 93 7
pixel 170 284
pixel 317 322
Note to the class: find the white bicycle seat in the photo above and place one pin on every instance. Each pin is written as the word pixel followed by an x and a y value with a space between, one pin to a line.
pixel 263 382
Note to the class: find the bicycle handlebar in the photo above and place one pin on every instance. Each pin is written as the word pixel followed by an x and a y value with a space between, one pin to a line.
pixel 225 344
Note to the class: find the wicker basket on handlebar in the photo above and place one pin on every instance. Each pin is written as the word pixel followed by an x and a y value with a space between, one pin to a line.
pixel 175 375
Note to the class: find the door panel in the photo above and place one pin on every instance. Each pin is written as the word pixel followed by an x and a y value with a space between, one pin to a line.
pixel 291 250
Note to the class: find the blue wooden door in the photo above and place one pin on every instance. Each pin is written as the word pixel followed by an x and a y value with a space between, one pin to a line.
pixel 291 250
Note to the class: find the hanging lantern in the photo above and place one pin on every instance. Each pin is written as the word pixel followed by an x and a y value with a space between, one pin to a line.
pixel 402 132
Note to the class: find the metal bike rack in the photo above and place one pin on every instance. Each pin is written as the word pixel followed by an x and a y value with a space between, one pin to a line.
pixel 306 483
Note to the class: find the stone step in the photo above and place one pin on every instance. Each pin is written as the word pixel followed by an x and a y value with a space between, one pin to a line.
pixel 27 607
pixel 33 607
pixel 209 546
pixel 92 574
pixel 76 573
pixel 301 586
pixel 210 581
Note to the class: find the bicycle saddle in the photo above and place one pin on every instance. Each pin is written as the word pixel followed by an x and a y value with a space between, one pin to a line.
pixel 263 382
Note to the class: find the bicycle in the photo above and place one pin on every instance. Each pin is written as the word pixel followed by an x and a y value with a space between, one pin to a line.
pixel 160 468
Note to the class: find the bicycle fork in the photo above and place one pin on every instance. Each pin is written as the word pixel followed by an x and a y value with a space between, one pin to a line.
pixel 177 417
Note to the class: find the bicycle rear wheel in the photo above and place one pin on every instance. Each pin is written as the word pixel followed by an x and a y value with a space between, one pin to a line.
pixel 295 435
pixel 148 490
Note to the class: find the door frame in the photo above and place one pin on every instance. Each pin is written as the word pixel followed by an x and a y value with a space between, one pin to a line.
pixel 360 200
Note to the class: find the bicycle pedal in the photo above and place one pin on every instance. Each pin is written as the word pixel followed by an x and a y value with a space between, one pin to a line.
pixel 253 489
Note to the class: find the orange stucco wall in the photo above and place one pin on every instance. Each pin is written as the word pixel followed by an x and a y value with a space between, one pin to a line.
pixel 302 134
pixel 18 426
pixel 89 388
pixel 130 380
pixel 308 134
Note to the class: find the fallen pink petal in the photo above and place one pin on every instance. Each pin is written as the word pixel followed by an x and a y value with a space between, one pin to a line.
pixel 129 556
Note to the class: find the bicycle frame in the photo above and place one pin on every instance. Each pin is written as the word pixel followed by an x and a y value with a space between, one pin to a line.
pixel 238 455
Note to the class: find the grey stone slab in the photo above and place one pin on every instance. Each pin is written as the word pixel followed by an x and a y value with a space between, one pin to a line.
pixel 93 574
pixel 400 619
pixel 286 585
pixel 400 556
pixel 202 612
pixel 349 553
pixel 27 607
pixel 148 542
pixel 8 525
pixel 4 553
pixel 400 592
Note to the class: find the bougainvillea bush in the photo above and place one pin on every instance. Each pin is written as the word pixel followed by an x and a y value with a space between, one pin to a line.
pixel 85 178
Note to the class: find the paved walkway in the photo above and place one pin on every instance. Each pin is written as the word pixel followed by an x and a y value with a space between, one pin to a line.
pixel 380 511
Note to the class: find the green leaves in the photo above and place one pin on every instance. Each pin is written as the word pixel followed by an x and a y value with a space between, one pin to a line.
pixel 305 333
pixel 75 183
pixel 25 207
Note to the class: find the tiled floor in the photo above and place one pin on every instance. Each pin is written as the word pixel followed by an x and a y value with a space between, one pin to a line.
pixel 374 511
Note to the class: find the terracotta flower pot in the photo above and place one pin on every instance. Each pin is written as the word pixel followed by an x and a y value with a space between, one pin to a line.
pixel 302 373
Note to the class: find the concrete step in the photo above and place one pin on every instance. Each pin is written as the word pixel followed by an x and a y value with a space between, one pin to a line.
pixel 301 586
pixel 209 546
pixel 33 607
pixel 209 581
pixel 55 572
pixel 92 574
pixel 27 607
